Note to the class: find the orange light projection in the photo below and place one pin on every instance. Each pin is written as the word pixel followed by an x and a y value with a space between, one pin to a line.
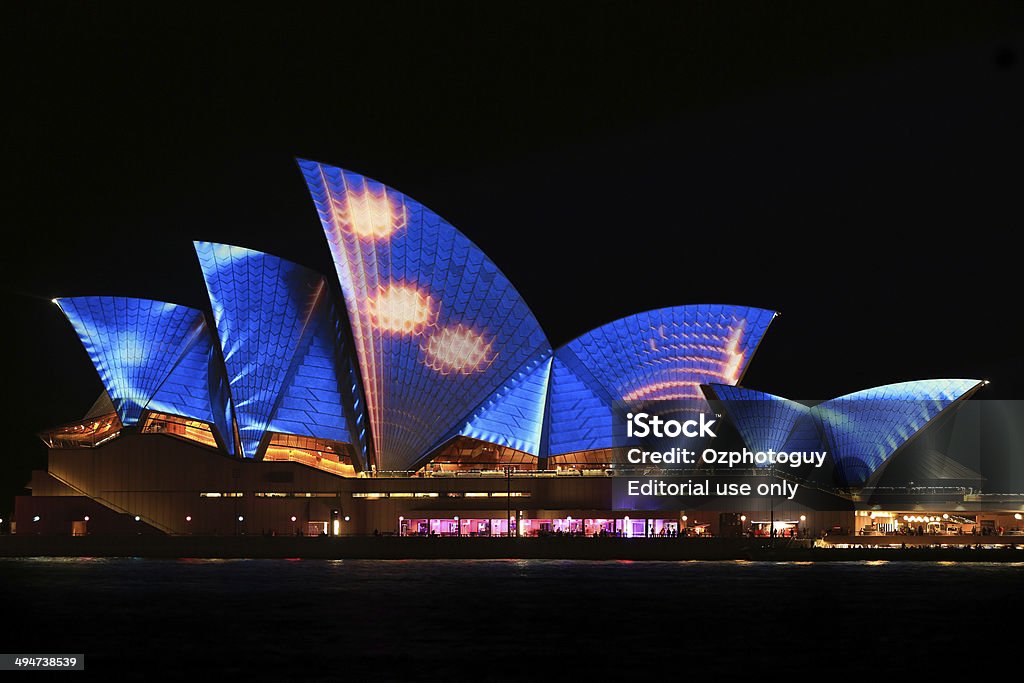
pixel 373 216
pixel 725 370
pixel 674 390
pixel 734 357
pixel 458 349
pixel 402 309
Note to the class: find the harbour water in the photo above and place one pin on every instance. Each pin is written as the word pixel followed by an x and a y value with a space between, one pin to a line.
pixel 511 619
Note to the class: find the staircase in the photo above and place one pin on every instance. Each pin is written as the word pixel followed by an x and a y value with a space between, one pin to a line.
pixel 109 504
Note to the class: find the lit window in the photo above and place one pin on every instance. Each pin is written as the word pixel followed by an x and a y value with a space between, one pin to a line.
pixel 319 453
pixel 83 435
pixel 179 427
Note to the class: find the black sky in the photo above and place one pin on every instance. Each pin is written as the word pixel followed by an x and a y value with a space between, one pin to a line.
pixel 609 158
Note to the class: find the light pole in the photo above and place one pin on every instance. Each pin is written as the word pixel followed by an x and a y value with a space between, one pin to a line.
pixel 508 497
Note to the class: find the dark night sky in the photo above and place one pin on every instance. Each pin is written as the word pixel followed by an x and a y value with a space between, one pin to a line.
pixel 610 160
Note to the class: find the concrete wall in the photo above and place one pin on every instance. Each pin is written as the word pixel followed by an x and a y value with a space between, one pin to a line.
pixel 160 478
pixel 56 515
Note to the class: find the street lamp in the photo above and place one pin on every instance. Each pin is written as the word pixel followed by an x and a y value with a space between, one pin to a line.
pixel 400 520
pixel 508 496
pixel 458 526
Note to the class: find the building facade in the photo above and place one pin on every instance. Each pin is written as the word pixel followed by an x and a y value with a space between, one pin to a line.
pixel 428 400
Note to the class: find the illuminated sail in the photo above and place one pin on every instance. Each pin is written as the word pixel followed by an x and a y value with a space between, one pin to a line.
pixel 439 331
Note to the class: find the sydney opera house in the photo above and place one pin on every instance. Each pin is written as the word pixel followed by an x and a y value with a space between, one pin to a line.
pixel 417 394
